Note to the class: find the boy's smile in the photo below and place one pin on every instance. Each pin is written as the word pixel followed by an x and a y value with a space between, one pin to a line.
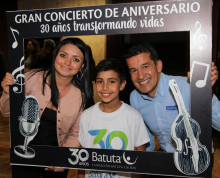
pixel 106 94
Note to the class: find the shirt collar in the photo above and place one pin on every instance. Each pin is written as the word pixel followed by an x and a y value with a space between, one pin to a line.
pixel 162 84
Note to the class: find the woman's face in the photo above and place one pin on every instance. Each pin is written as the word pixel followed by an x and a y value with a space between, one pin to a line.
pixel 30 46
pixel 69 61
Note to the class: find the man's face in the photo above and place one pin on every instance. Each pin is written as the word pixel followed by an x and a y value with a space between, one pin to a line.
pixel 145 74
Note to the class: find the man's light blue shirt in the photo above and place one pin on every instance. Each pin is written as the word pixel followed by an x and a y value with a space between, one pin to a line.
pixel 160 112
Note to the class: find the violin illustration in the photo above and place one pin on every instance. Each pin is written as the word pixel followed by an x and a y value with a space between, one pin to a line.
pixel 190 157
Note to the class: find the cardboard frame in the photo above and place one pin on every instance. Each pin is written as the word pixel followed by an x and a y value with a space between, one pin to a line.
pixel 142 17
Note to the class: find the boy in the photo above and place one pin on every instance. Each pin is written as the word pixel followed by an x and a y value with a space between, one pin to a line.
pixel 111 118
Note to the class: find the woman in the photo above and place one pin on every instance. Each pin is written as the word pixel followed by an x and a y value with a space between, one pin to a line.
pixel 32 56
pixel 63 92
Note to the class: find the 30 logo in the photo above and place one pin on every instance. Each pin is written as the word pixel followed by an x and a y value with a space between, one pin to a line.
pixel 107 145
pixel 82 155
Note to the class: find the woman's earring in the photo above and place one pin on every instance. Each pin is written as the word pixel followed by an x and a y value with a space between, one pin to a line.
pixel 79 75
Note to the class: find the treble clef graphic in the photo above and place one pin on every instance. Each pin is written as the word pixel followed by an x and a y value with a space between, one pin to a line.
pixel 198 38
pixel 19 76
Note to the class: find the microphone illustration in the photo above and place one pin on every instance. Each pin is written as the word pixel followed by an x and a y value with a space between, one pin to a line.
pixel 28 126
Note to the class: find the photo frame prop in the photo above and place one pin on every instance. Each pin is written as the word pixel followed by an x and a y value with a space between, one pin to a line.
pixel 193 16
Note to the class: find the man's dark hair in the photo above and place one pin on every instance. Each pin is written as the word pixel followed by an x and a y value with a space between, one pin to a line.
pixel 142 47
pixel 49 43
pixel 111 64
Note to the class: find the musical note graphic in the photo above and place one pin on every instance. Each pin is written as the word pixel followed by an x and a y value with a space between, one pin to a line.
pixel 15 43
pixel 19 76
pixel 190 157
pixel 200 83
pixel 198 38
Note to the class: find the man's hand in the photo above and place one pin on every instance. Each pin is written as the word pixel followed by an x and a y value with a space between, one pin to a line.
pixel 214 74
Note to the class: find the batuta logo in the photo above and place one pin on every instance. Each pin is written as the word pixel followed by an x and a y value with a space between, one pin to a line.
pixel 104 158
pixel 82 155
pixel 128 161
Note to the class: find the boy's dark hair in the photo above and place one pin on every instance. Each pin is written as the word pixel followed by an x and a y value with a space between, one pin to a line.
pixel 142 47
pixel 111 64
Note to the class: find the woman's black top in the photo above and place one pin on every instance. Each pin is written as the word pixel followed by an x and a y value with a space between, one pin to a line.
pixel 47 131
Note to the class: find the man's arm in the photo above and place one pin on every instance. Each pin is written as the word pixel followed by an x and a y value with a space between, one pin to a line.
pixel 215 113
pixel 215 101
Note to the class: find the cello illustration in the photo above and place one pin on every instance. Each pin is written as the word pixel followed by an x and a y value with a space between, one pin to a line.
pixel 190 157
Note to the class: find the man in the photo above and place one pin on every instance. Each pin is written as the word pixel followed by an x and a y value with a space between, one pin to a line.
pixel 47 54
pixel 153 99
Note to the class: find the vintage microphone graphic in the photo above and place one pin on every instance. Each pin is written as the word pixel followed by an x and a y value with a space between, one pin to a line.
pixel 28 126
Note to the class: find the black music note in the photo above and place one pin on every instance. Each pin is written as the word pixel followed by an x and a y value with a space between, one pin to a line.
pixel 19 77
pixel 200 83
pixel 15 43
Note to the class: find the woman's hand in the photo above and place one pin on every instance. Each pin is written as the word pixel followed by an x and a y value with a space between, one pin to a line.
pixel 7 80
pixel 55 169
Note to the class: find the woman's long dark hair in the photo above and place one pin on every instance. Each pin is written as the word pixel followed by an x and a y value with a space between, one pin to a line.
pixel 82 80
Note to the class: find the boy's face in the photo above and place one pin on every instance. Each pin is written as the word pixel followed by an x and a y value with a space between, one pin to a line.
pixel 108 86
